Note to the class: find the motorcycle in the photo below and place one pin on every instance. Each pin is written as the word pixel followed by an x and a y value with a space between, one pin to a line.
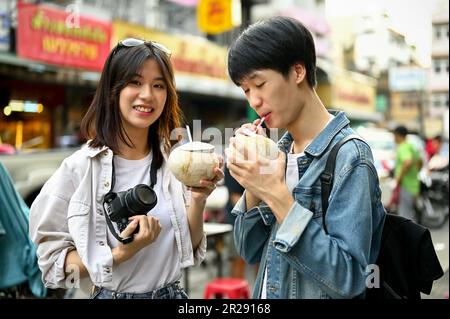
pixel 432 204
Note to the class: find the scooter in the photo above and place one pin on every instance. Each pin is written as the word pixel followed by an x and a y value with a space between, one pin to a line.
pixel 432 204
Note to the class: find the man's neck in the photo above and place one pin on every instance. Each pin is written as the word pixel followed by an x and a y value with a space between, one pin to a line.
pixel 311 121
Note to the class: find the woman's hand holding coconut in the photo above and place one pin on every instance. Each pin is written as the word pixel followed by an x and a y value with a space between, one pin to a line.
pixel 197 166
pixel 207 186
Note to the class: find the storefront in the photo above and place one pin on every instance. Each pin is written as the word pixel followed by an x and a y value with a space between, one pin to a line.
pixel 405 109
pixel 57 69
pixel 47 86
pixel 408 98
pixel 353 93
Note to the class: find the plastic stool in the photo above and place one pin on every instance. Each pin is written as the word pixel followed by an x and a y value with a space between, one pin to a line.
pixel 233 288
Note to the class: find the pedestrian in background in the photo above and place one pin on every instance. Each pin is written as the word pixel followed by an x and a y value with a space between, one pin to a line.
pixel 433 146
pixel 407 166
pixel 279 217
pixel 133 113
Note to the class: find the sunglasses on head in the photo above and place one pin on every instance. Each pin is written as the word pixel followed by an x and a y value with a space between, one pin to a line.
pixel 133 42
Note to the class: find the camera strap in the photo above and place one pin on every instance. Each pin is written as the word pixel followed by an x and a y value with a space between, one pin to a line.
pixel 125 240
pixel 153 180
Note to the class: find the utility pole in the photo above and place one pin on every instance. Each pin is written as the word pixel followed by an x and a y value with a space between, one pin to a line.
pixel 421 106
pixel 246 6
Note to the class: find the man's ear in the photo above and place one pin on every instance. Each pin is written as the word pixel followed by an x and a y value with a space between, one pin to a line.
pixel 300 72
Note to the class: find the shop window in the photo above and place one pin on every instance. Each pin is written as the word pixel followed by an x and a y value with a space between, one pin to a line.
pixel 437 66
pixel 437 32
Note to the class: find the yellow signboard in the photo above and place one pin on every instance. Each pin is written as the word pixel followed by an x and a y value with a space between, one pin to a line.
pixel 190 55
pixel 352 92
pixel 404 106
pixel 215 16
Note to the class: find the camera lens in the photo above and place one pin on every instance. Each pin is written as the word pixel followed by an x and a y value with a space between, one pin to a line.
pixel 145 195
pixel 142 198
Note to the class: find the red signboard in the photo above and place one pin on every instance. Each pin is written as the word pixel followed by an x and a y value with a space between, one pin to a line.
pixel 48 34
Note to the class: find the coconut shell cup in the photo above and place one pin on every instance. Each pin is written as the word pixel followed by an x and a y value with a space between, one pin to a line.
pixel 192 162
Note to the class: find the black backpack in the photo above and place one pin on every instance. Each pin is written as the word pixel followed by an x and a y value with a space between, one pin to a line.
pixel 407 259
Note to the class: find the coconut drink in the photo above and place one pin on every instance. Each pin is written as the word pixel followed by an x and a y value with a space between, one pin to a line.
pixel 193 161
pixel 259 144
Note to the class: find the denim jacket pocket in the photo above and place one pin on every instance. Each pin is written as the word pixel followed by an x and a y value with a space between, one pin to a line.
pixel 78 223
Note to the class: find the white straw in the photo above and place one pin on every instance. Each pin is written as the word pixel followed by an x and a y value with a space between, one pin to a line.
pixel 189 133
pixel 260 123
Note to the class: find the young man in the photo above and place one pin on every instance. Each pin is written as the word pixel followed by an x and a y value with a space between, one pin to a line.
pixel 279 217
pixel 407 166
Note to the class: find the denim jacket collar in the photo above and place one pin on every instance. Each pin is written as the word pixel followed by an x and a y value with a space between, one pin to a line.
pixel 321 142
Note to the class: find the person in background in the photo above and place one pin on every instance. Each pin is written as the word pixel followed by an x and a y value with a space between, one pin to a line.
pixel 20 276
pixel 407 166
pixel 433 146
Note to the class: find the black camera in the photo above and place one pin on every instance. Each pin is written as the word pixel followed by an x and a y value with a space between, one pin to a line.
pixel 138 200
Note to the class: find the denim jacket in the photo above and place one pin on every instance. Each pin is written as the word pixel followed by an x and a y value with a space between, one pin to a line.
pixel 68 214
pixel 302 260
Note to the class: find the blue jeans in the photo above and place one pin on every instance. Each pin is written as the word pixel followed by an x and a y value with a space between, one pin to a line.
pixel 171 291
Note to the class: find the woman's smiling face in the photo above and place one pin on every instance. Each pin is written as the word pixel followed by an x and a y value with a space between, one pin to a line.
pixel 142 100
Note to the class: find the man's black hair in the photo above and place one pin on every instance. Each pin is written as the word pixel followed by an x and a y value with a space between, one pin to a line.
pixel 401 131
pixel 277 43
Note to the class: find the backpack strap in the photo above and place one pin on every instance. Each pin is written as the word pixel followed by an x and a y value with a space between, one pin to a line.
pixel 327 176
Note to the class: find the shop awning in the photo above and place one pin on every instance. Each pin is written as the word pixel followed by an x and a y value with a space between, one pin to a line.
pixel 12 59
pixel 362 116
pixel 208 86
pixel 185 83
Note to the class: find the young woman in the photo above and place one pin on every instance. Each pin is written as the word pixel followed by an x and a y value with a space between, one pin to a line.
pixel 129 123
pixel 279 217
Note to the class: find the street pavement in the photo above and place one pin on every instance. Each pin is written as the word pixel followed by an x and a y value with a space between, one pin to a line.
pixel 441 245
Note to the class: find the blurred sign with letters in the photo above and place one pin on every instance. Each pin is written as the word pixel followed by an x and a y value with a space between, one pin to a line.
pixel 404 79
pixel 4 30
pixel 44 34
pixel 215 16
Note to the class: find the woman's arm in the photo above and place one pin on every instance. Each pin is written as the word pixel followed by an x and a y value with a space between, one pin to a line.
pixel 148 232
pixel 197 205
pixel 73 263
pixel 195 220
pixel 48 227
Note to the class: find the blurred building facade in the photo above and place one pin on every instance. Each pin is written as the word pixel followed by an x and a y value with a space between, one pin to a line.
pixel 439 72
pixel 338 87
pixel 47 65
pixel 352 70
pixel 369 44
